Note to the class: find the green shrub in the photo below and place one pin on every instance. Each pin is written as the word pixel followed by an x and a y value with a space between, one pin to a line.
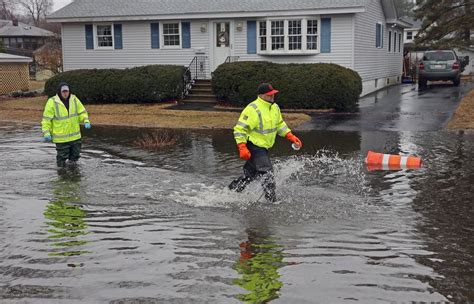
pixel 304 86
pixel 151 83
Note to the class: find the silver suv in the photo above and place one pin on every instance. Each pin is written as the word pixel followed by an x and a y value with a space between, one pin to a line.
pixel 439 65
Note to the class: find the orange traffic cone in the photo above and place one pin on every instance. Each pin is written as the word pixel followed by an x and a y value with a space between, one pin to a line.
pixel 379 161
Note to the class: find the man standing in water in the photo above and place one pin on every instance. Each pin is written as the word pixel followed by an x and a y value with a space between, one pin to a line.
pixel 60 124
pixel 255 133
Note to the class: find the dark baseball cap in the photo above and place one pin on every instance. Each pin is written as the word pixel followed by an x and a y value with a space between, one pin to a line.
pixel 266 89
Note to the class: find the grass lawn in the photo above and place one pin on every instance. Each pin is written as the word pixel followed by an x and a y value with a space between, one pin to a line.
pixel 463 117
pixel 136 115
pixel 35 85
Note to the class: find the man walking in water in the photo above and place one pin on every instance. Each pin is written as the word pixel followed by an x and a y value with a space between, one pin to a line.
pixel 255 133
pixel 60 124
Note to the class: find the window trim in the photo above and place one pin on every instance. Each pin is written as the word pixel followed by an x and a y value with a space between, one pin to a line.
pixel 162 35
pixel 400 38
pixel 95 36
pixel 286 51
pixel 381 35
pixel 411 34
pixel 389 46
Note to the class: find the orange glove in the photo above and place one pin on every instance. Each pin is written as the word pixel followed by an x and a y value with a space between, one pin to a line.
pixel 294 139
pixel 244 152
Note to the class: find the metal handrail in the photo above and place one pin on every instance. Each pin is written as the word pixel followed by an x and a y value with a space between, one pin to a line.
pixel 231 59
pixel 195 70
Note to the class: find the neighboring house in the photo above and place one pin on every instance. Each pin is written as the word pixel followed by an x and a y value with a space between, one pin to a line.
pixel 364 35
pixel 411 32
pixel 21 38
pixel 14 74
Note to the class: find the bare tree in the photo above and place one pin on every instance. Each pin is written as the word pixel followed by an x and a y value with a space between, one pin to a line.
pixel 37 9
pixel 6 9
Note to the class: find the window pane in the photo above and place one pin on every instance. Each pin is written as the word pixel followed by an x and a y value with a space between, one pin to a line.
pixel 171 35
pixel 104 41
pixel 312 27
pixel 263 28
pixel 312 42
pixel 294 27
pixel 278 43
pixel 278 28
pixel 278 32
pixel 294 43
pixel 104 30
pixel 263 43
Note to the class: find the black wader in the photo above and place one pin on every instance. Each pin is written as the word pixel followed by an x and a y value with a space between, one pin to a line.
pixel 258 166
pixel 68 151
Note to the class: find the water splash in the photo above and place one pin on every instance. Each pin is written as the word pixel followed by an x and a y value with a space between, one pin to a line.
pixel 316 186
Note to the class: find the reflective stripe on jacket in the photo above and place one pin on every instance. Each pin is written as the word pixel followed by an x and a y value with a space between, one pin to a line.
pixel 259 123
pixel 61 124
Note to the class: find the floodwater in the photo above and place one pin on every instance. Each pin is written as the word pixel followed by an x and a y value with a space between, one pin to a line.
pixel 135 226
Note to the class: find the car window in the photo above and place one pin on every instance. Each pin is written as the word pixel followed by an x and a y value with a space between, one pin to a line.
pixel 438 56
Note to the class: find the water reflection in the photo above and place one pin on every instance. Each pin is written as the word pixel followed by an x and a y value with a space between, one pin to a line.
pixel 260 259
pixel 64 215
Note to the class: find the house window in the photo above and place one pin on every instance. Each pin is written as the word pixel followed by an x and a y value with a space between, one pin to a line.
pixel 262 35
pixel 312 35
pixel 409 35
pixel 288 36
pixel 278 35
pixel 104 36
pixel 400 42
pixel 379 35
pixel 394 42
pixel 171 34
pixel 389 41
pixel 294 35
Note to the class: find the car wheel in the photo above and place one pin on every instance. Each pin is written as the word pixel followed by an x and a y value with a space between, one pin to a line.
pixel 456 82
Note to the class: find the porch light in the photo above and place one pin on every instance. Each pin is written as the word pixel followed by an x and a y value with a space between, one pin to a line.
pixel 203 27
pixel 239 26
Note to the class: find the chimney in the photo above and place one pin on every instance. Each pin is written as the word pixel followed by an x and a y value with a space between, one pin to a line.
pixel 14 21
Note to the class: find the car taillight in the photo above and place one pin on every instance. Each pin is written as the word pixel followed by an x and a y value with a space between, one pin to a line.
pixel 421 66
pixel 456 66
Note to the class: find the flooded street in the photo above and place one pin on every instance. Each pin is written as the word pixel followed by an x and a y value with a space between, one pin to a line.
pixel 136 226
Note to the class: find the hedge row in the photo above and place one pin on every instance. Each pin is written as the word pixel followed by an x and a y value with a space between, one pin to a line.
pixel 304 86
pixel 151 83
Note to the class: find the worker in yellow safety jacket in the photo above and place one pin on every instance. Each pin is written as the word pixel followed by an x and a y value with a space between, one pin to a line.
pixel 255 133
pixel 60 124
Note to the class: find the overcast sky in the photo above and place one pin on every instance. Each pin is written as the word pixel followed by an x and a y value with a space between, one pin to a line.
pixel 60 3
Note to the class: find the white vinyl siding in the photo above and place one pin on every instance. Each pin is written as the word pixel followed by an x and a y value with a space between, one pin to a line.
pixel 370 62
pixel 136 51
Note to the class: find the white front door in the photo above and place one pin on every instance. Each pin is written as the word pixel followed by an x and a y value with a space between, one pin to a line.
pixel 222 43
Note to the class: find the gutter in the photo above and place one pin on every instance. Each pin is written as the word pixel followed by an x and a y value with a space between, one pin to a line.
pixel 218 15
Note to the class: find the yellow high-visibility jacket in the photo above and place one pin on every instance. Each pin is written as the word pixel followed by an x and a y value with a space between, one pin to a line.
pixel 259 123
pixel 63 126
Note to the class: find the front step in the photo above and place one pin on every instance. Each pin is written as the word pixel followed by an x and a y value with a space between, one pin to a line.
pixel 201 92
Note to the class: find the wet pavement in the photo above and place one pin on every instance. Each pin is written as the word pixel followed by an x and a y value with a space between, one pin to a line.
pixel 130 225
pixel 398 108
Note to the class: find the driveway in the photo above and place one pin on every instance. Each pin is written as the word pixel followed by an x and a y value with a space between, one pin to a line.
pixel 397 108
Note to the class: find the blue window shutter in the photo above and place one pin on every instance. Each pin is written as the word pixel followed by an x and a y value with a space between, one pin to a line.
pixel 186 34
pixel 118 36
pixel 251 37
pixel 155 35
pixel 89 37
pixel 325 35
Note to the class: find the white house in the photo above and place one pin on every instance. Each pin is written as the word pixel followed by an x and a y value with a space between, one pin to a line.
pixel 364 35
pixel 411 31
